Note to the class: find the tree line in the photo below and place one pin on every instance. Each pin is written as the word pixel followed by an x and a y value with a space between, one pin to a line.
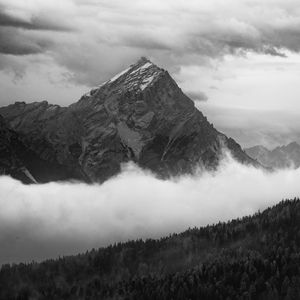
pixel 254 257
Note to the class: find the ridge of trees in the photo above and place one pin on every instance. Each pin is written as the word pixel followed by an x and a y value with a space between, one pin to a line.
pixel 254 257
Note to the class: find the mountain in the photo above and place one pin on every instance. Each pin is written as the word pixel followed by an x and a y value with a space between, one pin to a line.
pixel 21 163
pixel 139 115
pixel 278 158
pixel 11 155
pixel 254 257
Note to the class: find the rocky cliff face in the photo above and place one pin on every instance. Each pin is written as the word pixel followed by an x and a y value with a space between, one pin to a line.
pixel 10 161
pixel 139 115
pixel 20 162
pixel 278 158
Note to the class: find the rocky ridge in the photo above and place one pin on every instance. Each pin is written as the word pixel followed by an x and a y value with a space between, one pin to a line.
pixel 22 163
pixel 287 156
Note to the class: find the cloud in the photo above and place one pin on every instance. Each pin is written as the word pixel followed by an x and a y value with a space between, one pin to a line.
pixel 40 221
pixel 197 96
pixel 19 26
pixel 250 127
pixel 35 23
pixel 16 43
pixel 173 32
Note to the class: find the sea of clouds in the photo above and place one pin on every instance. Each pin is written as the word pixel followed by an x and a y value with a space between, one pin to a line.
pixel 56 219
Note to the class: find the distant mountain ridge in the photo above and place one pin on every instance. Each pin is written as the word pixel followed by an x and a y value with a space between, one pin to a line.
pixel 139 115
pixel 280 157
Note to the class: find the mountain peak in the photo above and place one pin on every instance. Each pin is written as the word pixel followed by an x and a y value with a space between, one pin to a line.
pixel 139 115
pixel 293 145
pixel 280 157
pixel 143 59
pixel 137 77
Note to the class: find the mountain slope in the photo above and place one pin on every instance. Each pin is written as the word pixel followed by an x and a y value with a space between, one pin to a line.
pixel 20 162
pixel 140 115
pixel 10 161
pixel 255 257
pixel 278 158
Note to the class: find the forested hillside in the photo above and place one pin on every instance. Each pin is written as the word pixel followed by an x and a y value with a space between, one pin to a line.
pixel 256 257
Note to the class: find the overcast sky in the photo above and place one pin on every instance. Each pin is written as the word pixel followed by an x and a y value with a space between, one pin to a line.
pixel 238 59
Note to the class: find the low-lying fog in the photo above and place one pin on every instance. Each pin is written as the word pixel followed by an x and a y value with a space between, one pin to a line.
pixel 43 221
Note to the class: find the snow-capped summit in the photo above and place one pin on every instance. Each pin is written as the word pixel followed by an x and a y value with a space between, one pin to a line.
pixel 136 78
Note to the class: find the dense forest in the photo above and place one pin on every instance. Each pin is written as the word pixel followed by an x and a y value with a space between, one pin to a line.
pixel 255 257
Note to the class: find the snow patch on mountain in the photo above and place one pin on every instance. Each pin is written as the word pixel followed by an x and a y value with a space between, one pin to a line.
pixel 137 77
pixel 146 65
pixel 119 75
pixel 130 138
pixel 146 82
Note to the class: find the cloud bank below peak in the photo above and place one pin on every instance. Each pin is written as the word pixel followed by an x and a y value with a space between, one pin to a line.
pixel 45 221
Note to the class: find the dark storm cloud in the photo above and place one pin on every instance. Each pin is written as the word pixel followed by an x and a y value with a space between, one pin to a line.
pixel 273 51
pixel 16 43
pixel 175 32
pixel 15 36
pixel 35 23
pixel 105 34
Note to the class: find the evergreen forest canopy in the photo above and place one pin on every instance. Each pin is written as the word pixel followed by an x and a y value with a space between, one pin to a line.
pixel 255 257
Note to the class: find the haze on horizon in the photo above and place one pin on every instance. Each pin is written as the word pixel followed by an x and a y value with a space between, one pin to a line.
pixel 239 60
